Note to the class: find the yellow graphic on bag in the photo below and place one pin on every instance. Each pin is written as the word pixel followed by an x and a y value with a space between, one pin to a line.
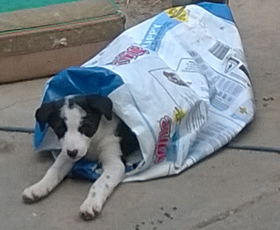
pixel 179 13
pixel 179 114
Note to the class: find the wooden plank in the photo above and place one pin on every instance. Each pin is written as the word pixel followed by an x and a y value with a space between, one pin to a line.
pixel 67 35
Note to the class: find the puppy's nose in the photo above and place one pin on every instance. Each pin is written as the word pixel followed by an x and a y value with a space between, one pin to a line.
pixel 72 153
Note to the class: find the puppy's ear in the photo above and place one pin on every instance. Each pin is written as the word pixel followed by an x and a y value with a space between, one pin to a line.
pixel 101 103
pixel 43 113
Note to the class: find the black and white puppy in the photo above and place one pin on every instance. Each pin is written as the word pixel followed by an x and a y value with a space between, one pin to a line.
pixel 85 125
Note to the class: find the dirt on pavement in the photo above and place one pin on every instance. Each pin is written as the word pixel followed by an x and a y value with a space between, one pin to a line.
pixel 137 11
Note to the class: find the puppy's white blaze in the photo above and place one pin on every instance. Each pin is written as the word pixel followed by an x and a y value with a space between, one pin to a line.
pixel 73 139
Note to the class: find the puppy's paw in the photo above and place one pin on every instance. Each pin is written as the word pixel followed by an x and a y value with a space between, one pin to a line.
pixel 90 209
pixel 34 193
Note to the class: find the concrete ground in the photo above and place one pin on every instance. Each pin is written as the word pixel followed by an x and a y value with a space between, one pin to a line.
pixel 233 189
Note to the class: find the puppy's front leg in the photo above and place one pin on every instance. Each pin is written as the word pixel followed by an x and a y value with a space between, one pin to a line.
pixel 113 174
pixel 52 178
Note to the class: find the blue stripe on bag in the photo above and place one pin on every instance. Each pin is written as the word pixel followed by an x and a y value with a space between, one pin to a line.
pixel 218 9
pixel 157 31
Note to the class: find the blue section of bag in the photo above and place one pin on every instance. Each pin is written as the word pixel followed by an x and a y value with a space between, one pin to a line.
pixel 85 169
pixel 78 80
pixel 217 9
pixel 157 30
pixel 91 170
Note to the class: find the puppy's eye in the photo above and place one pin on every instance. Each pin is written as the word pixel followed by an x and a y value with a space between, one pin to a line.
pixel 87 130
pixel 60 129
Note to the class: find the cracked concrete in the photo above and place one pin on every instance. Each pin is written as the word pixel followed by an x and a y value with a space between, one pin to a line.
pixel 233 189
pixel 232 213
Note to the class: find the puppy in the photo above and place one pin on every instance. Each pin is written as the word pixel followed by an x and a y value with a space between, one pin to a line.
pixel 85 125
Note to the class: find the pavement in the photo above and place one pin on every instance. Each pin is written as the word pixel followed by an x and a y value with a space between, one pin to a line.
pixel 233 189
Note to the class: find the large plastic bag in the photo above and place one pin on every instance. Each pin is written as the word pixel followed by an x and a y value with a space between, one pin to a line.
pixel 179 80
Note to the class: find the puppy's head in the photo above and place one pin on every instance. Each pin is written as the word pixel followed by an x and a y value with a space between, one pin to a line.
pixel 75 120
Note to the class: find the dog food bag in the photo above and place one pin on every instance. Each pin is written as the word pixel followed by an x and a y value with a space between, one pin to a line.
pixel 179 80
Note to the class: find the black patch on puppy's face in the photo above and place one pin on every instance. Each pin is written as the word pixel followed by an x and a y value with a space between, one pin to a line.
pixel 94 103
pixel 90 122
pixel 95 106
pixel 50 113
pixel 58 125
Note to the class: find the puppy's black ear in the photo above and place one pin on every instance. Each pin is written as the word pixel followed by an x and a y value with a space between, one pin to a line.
pixel 101 103
pixel 43 113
